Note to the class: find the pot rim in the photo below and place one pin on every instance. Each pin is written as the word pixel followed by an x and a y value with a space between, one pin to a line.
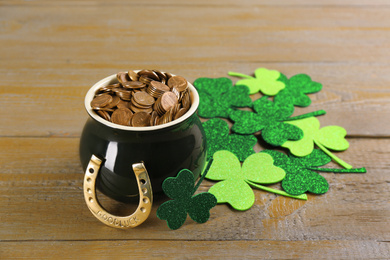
pixel 112 79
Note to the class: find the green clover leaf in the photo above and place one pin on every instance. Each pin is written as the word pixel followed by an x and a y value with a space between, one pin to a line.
pixel 268 118
pixel 218 138
pixel 332 137
pixel 300 175
pixel 265 81
pixel 233 186
pixel 218 97
pixel 296 89
pixel 181 189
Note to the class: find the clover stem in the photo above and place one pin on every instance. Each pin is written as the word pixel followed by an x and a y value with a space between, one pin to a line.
pixel 240 75
pixel 280 192
pixel 315 113
pixel 334 157
pixel 203 175
pixel 356 170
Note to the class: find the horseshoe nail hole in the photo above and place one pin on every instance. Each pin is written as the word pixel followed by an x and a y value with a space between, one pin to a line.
pixel 145 200
pixel 89 180
pixel 143 210
pixel 89 190
pixel 91 170
pixel 144 190
pixel 90 199
pixel 143 181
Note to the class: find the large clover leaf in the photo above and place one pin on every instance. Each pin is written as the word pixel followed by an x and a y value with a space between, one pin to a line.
pixel 265 81
pixel 268 117
pixel 218 97
pixel 332 137
pixel 218 138
pixel 233 186
pixel 300 176
pixel 296 89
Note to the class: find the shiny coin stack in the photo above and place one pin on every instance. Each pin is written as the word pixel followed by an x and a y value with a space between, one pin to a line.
pixel 144 98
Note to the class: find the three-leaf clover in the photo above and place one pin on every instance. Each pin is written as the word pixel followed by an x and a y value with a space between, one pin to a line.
pixel 233 186
pixel 181 189
pixel 218 97
pixel 265 81
pixel 296 89
pixel 332 137
pixel 218 138
pixel 300 176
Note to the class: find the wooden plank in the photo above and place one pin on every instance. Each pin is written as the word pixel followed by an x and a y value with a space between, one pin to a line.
pixel 146 249
pixel 41 199
pixel 150 33
pixel 284 3
pixel 356 97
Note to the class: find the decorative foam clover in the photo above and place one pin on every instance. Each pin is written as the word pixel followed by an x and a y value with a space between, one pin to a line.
pixel 296 89
pixel 233 186
pixel 218 138
pixel 332 137
pixel 218 97
pixel 269 117
pixel 300 176
pixel 265 81
pixel 181 189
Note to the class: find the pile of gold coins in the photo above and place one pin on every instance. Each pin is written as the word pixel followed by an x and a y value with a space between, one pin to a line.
pixel 144 98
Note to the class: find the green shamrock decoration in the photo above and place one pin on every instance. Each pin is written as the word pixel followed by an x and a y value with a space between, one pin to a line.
pixel 233 186
pixel 269 117
pixel 218 138
pixel 265 81
pixel 332 137
pixel 181 189
pixel 296 89
pixel 218 97
pixel 300 176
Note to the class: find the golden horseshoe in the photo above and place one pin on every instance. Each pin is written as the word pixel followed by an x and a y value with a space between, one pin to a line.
pixel 145 197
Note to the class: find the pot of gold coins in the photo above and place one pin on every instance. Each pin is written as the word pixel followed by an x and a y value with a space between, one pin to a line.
pixel 142 128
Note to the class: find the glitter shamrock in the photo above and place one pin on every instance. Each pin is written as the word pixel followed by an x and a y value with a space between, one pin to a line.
pixel 181 189
pixel 233 180
pixel 296 89
pixel 300 176
pixel 332 137
pixel 218 97
pixel 265 81
pixel 218 138
pixel 269 117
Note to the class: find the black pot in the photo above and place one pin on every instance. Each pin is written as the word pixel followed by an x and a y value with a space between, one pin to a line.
pixel 165 149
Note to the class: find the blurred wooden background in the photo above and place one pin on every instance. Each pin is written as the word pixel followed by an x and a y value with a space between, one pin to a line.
pixel 51 52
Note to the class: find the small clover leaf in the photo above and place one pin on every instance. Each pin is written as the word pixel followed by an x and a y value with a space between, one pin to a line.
pixel 181 190
pixel 235 181
pixel 218 138
pixel 218 97
pixel 296 89
pixel 332 137
pixel 265 81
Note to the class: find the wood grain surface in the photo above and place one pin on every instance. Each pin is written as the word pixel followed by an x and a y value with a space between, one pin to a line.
pixel 52 52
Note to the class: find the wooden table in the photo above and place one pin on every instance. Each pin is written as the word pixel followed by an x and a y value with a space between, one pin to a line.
pixel 53 51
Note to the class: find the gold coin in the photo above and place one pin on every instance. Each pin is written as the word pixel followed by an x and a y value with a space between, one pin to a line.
pixel 143 99
pixel 180 113
pixel 133 85
pixel 168 100
pixel 103 114
pixel 178 83
pixel 132 75
pixel 122 116
pixel 101 100
pixel 140 119
pixel 115 101
pixel 149 73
